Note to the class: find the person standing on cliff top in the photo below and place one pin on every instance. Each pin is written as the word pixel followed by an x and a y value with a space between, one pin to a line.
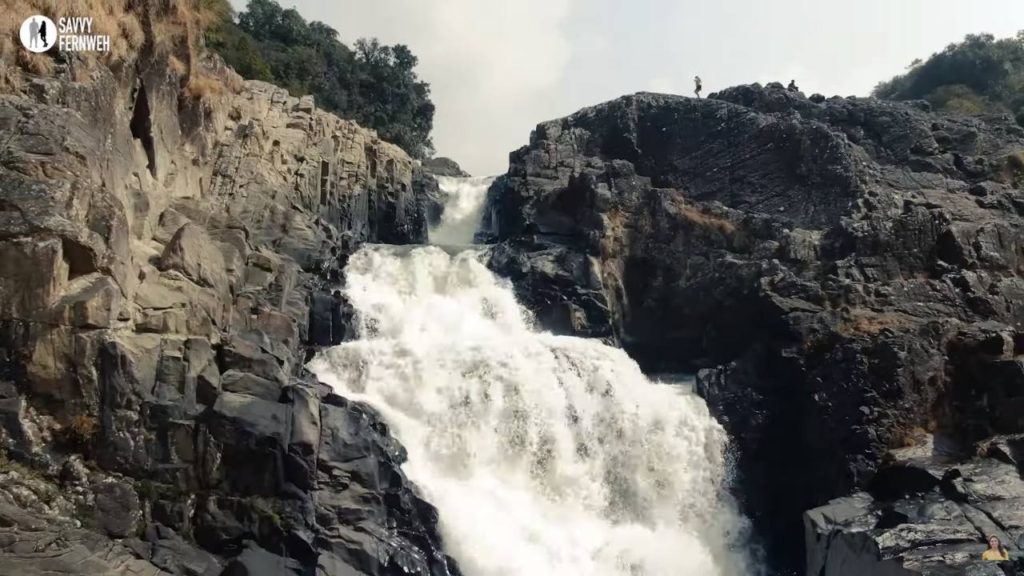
pixel 698 85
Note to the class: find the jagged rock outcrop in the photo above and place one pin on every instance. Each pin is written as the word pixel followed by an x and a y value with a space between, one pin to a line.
pixel 925 513
pixel 841 273
pixel 167 234
pixel 442 166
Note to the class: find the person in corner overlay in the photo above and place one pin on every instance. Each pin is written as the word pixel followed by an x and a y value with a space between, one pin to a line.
pixel 42 34
pixel 995 550
pixel 33 33
pixel 697 85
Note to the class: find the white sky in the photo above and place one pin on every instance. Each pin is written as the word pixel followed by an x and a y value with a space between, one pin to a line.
pixel 499 67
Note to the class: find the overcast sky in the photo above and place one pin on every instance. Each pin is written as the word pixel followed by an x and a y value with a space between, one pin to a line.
pixel 499 67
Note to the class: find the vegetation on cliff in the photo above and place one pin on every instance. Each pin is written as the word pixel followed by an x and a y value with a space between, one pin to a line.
pixel 374 84
pixel 979 75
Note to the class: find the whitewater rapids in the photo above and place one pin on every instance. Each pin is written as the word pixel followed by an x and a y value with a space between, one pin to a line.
pixel 545 455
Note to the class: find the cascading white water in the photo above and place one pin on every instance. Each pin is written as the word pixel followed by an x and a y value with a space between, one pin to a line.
pixel 545 455
pixel 463 208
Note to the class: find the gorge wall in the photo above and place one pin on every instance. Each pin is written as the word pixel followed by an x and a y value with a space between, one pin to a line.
pixel 844 276
pixel 167 232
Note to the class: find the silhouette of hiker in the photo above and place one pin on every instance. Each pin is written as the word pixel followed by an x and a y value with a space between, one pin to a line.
pixel 697 85
pixel 42 34
pixel 33 33
pixel 792 86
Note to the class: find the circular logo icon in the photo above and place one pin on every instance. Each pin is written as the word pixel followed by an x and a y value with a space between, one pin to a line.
pixel 38 33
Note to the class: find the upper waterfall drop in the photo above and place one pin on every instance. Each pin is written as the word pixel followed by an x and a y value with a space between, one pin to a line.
pixel 544 454
pixel 465 199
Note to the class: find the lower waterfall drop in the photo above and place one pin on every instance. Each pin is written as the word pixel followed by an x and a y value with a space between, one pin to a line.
pixel 545 455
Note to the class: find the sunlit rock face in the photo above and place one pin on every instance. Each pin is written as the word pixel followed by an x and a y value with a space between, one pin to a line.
pixel 170 240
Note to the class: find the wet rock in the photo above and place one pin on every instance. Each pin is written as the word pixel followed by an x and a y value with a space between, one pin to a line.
pixel 304 443
pixel 330 319
pixel 246 436
pixel 117 508
pixel 357 457
pixel 170 552
pixel 246 356
pixel 250 384
pixel 255 561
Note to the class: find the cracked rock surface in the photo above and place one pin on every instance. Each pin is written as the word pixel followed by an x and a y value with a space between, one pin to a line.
pixel 167 264
pixel 845 276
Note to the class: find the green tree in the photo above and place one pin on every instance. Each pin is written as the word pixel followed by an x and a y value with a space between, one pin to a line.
pixel 375 84
pixel 982 74
pixel 391 98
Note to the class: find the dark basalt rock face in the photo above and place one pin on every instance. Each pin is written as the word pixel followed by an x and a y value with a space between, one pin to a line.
pixel 165 259
pixel 925 513
pixel 429 191
pixel 841 273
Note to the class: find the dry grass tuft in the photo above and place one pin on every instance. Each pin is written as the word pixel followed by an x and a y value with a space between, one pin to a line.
pixel 169 34
pixel 11 17
pixel 868 323
pixel 78 433
pixel 176 31
pixel 233 81
pixel 704 220
pixel 38 64
pixel 1012 170
pixel 110 17
pixel 83 425
pixel 178 66
pixel 10 77
pixel 907 437
pixel 1015 161
pixel 203 87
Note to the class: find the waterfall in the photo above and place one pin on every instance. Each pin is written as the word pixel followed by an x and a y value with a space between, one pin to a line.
pixel 463 209
pixel 545 455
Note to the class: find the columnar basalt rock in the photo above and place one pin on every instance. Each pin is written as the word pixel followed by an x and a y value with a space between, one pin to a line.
pixel 166 233
pixel 841 274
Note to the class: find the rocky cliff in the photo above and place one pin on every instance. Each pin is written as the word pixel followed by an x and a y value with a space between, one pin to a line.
pixel 924 512
pixel 167 232
pixel 844 275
